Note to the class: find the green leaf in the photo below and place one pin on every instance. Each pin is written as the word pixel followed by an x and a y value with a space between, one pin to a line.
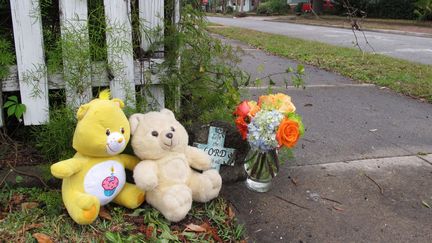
pixel 13 98
pixel 258 81
pixel 289 70
pixel 8 103
pixel 137 212
pixel 19 179
pixel 271 82
pixel 19 111
pixel 300 69
pixel 247 81
pixel 11 110
pixel 112 237
pixel 168 236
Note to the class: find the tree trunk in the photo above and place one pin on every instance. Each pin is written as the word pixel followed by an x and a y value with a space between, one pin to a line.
pixel 241 6
pixel 317 6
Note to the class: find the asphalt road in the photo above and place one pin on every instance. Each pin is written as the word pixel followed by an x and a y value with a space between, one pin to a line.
pixel 411 48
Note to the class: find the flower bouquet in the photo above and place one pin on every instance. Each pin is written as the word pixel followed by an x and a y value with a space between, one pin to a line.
pixel 268 126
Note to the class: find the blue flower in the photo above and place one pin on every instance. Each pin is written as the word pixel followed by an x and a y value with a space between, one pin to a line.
pixel 262 130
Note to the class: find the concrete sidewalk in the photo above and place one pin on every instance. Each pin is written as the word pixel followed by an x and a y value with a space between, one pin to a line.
pixel 362 173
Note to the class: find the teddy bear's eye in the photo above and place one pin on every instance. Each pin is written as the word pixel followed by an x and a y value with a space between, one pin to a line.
pixel 122 130
pixel 155 134
pixel 108 132
pixel 172 129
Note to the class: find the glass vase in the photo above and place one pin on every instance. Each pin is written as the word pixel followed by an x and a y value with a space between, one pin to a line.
pixel 261 167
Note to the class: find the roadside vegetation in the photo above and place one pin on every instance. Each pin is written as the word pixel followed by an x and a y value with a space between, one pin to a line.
pixel 408 78
pixel 367 23
pixel 29 214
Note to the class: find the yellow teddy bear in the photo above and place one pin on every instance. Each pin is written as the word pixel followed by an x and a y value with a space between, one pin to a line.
pixel 96 176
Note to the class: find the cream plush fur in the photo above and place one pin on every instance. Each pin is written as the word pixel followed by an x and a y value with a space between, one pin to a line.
pixel 165 172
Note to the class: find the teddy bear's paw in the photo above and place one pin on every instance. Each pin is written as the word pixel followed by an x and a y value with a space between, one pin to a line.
pixel 177 202
pixel 85 210
pixel 144 178
pixel 206 186
pixel 86 201
pixel 60 170
pixel 215 178
pixel 148 184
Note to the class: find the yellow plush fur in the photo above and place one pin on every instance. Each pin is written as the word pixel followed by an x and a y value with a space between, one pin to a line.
pixel 95 176
pixel 165 172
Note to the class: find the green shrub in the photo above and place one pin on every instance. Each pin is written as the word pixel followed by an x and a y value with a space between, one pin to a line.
pixel 264 9
pixel 54 140
pixel 273 7
pixel 7 57
pixel 298 8
pixel 423 9
pixel 229 10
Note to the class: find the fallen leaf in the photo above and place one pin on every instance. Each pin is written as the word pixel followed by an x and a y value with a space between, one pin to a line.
pixel 306 105
pixel 294 181
pixel 16 198
pixel 142 228
pixel 231 213
pixel 195 228
pixel 426 204
pixel 42 238
pixel 211 230
pixel 338 208
pixel 103 213
pixel 116 228
pixel 29 205
pixel 373 130
pixel 149 232
pixel 33 226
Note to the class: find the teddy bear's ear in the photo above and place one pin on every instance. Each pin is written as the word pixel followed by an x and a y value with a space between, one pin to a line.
pixel 134 120
pixel 167 112
pixel 118 102
pixel 82 111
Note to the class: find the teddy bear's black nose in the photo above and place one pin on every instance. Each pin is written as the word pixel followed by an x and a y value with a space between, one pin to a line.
pixel 169 135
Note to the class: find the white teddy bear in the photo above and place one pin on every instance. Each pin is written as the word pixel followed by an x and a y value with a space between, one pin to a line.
pixel 165 172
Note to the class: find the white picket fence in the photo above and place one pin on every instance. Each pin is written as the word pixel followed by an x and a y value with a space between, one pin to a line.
pixel 29 48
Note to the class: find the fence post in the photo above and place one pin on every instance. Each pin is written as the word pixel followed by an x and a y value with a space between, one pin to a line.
pixel 120 53
pixel 27 29
pixel 75 51
pixel 151 13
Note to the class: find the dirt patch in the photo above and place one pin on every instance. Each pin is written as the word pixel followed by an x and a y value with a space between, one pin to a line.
pixel 15 153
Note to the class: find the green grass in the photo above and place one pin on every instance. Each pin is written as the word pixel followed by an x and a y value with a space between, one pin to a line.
pixel 25 212
pixel 408 78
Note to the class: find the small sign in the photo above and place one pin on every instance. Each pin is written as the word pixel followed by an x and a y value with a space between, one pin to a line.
pixel 215 148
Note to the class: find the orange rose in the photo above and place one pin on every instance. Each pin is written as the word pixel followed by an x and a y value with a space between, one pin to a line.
pixel 288 133
pixel 284 103
pixel 280 102
pixel 242 126
pixel 254 108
